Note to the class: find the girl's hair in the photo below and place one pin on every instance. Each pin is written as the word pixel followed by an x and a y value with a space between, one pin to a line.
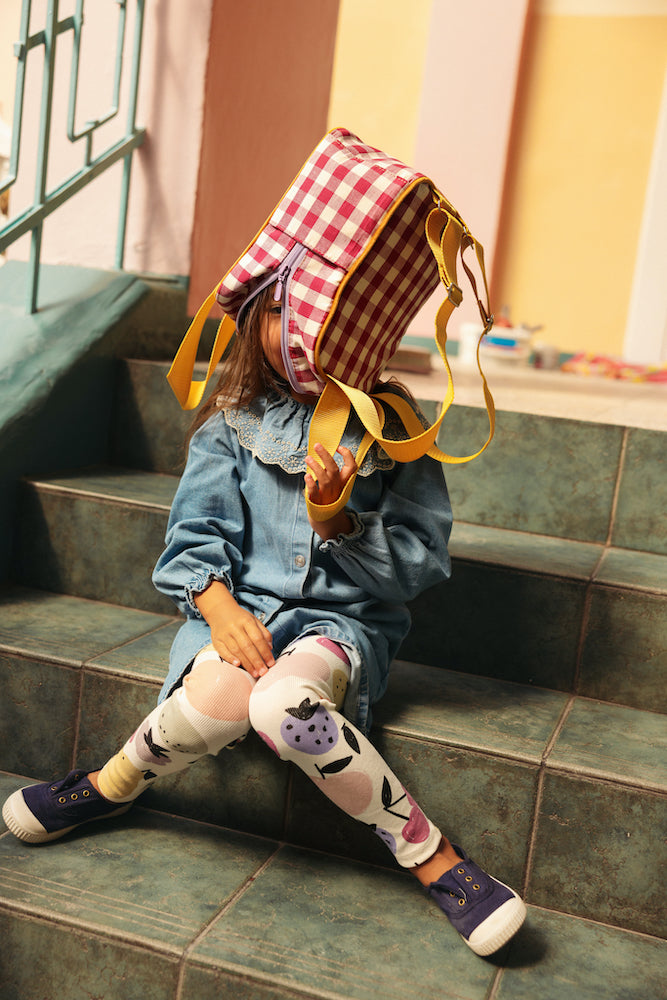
pixel 246 374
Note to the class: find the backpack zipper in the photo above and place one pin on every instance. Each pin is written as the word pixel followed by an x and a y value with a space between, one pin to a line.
pixel 281 294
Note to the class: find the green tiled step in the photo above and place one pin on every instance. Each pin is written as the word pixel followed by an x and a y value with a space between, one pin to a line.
pixel 545 475
pixel 569 615
pixel 95 534
pixel 180 909
pixel 502 768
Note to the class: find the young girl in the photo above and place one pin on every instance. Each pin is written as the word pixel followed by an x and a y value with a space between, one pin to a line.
pixel 291 624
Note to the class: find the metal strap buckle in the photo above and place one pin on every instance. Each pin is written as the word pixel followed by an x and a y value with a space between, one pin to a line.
pixel 454 294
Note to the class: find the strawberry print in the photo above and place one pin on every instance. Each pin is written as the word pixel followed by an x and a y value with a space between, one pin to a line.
pixel 310 728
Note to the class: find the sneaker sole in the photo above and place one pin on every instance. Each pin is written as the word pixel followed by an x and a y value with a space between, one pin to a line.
pixel 23 824
pixel 498 928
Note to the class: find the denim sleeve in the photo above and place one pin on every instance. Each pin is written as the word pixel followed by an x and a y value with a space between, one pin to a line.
pixel 398 543
pixel 206 525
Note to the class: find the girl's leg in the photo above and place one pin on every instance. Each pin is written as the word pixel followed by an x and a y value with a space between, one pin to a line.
pixel 209 711
pixel 294 708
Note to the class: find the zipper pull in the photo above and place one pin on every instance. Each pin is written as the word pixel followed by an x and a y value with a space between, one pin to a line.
pixel 283 275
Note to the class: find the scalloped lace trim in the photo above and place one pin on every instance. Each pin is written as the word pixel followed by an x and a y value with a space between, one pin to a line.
pixel 257 438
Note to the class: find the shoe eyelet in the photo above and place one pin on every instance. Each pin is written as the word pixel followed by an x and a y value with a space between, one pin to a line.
pixel 462 902
pixel 85 793
pixel 468 878
pixel 476 887
pixel 74 796
pixel 461 871
pixel 62 799
pixel 54 788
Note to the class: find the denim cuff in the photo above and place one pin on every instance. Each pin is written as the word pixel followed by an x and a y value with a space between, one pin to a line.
pixel 341 540
pixel 199 583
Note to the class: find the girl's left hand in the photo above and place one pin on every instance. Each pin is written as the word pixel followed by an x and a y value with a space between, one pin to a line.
pixel 324 484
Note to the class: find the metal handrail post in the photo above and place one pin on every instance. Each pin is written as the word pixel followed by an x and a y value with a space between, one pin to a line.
pixel 131 130
pixel 43 148
pixel 31 221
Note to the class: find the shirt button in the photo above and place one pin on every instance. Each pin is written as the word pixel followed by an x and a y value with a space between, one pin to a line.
pixel 300 561
pixel 261 616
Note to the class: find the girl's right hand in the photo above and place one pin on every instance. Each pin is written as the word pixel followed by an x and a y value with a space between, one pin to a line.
pixel 237 636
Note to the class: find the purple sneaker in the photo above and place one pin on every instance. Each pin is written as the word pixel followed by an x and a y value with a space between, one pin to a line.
pixel 38 813
pixel 484 911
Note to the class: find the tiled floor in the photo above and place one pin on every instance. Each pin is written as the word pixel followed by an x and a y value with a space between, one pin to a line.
pixel 198 913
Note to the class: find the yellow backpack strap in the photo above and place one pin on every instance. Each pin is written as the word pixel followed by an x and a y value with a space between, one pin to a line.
pixel 327 428
pixel 446 235
pixel 188 391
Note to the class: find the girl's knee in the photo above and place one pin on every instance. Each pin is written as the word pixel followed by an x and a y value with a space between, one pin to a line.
pixel 217 689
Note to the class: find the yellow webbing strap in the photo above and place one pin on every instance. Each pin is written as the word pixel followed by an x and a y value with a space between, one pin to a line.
pixel 188 391
pixel 446 235
pixel 332 412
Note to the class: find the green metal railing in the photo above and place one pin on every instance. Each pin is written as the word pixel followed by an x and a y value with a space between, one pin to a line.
pixel 45 202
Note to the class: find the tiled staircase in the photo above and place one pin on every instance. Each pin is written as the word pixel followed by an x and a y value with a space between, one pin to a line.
pixel 525 716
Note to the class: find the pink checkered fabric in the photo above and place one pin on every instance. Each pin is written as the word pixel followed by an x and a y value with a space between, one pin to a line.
pixel 367 267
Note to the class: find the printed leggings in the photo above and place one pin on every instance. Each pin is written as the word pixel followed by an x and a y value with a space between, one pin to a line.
pixel 294 708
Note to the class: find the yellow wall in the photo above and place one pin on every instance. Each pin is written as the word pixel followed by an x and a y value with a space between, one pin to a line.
pixel 588 116
pixel 378 70
pixel 587 111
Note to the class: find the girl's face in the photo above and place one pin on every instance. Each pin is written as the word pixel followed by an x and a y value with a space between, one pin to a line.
pixel 270 337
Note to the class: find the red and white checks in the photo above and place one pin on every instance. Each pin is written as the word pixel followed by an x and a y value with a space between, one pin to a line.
pixel 367 266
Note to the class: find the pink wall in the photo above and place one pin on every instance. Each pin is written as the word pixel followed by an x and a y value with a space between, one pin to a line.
pixel 465 121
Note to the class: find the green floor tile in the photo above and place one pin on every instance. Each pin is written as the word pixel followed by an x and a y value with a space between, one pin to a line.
pixel 149 427
pixel 134 486
pixel 598 853
pixel 507 624
pixel 520 550
pixel 44 961
pixel 146 657
pixel 642 496
pixel 66 629
pixel 629 568
pixel 540 474
pixel 469 711
pixel 107 553
pixel 145 877
pixel 559 958
pixel 625 649
pixel 614 742
pixel 38 715
pixel 335 929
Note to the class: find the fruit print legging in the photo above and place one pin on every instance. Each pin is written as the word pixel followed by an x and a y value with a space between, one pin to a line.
pixel 294 709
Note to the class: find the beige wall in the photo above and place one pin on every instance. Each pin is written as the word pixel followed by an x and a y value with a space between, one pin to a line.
pixel 378 72
pixel 587 124
pixel 567 214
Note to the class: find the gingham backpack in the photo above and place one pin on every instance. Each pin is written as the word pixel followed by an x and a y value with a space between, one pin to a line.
pixel 356 245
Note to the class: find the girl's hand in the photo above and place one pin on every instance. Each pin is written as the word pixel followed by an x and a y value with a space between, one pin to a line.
pixel 237 636
pixel 324 484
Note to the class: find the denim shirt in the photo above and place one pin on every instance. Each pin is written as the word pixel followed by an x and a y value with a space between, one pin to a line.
pixel 239 516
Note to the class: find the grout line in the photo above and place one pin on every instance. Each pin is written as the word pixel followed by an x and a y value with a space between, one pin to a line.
pixel 617 486
pixel 135 638
pixel 187 951
pixel 77 721
pixel 539 791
